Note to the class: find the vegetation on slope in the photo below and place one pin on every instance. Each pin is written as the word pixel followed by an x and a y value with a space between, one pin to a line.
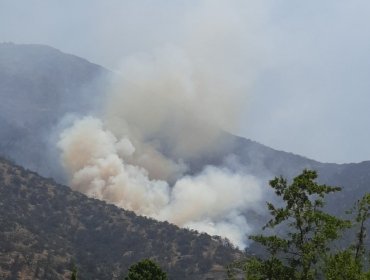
pixel 146 269
pixel 45 228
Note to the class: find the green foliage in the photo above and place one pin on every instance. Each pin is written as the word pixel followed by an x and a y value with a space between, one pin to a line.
pixel 348 264
pixel 344 266
pixel 362 209
pixel 146 270
pixel 300 253
pixel 74 273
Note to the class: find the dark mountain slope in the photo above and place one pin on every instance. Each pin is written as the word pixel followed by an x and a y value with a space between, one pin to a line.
pixel 39 85
pixel 45 227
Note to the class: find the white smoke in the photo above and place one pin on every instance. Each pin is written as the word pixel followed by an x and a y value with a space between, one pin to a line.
pixel 169 96
pixel 212 201
pixel 166 108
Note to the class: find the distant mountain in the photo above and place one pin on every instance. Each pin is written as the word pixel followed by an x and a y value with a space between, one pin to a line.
pixel 264 162
pixel 39 85
pixel 45 228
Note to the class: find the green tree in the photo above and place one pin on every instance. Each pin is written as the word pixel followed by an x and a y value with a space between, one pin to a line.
pixel 348 264
pixel 145 270
pixel 362 209
pixel 344 266
pixel 74 273
pixel 295 254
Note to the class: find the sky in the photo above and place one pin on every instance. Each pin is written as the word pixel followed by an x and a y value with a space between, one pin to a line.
pixel 305 64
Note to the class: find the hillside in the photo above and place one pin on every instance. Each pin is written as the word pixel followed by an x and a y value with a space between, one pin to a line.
pixel 39 85
pixel 45 228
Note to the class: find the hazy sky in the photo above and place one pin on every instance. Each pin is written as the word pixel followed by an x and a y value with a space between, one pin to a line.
pixel 306 63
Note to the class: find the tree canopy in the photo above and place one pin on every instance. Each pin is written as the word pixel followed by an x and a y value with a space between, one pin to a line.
pixel 146 270
pixel 304 250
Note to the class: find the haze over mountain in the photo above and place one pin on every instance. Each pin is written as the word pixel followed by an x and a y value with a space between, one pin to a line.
pixel 41 88
pixel 39 85
pixel 305 65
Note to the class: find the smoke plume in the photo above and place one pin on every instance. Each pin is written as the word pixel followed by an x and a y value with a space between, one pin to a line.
pixel 164 109
pixel 212 201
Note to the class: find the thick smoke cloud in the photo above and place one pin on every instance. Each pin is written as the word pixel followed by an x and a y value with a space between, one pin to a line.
pixel 212 201
pixel 169 96
pixel 165 108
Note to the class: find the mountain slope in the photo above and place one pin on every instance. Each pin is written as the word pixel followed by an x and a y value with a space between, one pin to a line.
pixel 45 227
pixel 39 85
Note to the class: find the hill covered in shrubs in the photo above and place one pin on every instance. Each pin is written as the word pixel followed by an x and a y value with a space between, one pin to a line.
pixel 46 229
